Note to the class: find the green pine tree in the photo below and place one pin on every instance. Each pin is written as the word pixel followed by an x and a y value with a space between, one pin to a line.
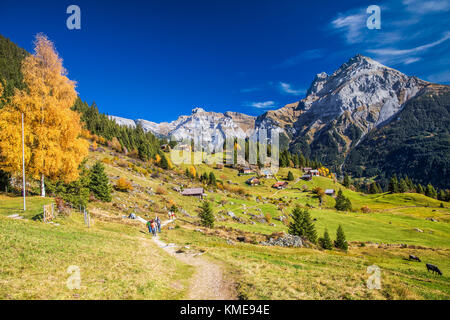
pixel 430 191
pixel 212 179
pixel 393 184
pixel 420 189
pixel 302 225
pixel 99 182
pixel 290 176
pixel 340 241
pixel 164 164
pixel 346 182
pixel 325 241
pixel 206 214
pixel 402 186
pixel 342 203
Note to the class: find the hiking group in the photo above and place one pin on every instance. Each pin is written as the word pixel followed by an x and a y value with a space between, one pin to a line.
pixel 154 226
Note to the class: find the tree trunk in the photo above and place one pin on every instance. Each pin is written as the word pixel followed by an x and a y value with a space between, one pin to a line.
pixel 42 185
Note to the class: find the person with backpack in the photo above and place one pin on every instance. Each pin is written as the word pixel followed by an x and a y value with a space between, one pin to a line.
pixel 158 224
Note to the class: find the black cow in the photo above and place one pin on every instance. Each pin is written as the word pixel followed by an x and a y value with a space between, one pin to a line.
pixel 433 268
pixel 411 257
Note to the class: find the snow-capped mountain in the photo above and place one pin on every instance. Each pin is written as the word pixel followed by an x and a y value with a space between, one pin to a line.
pixel 212 126
pixel 361 93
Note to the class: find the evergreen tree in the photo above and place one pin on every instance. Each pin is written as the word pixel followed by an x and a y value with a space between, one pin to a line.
pixel 393 184
pixel 164 164
pixel 441 195
pixel 75 192
pixel 430 191
pixel 342 202
pixel 373 188
pixel 302 225
pixel 420 189
pixel 346 182
pixel 212 179
pixel 340 241
pixel 206 214
pixel 290 176
pixel 302 161
pixel 99 182
pixel 402 186
pixel 325 241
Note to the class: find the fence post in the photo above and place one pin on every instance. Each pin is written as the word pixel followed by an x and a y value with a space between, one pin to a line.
pixel 53 212
pixel 44 212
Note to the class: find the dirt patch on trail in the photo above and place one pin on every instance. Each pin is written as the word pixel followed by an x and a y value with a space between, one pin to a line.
pixel 208 282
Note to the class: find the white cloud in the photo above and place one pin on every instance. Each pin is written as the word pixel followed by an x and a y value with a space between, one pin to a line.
pixel 425 7
pixel 287 88
pixel 408 30
pixel 352 26
pixel 261 105
pixel 397 52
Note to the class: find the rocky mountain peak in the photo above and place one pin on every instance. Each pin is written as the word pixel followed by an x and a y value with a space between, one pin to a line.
pixel 197 110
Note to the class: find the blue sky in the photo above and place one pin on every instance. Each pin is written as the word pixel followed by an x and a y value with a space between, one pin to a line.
pixel 157 60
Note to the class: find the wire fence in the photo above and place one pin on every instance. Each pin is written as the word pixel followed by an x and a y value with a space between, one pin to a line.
pixel 50 213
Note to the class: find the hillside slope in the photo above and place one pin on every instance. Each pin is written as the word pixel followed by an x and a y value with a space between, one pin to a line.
pixel 416 142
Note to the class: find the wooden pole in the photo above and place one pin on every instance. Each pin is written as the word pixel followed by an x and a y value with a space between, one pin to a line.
pixel 23 167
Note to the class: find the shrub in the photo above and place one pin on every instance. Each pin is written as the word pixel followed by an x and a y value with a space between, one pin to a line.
pixel 268 217
pixel 366 209
pixel 160 191
pixel 123 185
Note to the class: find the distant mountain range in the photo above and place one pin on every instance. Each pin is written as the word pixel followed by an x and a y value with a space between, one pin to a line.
pixel 365 119
pixel 341 117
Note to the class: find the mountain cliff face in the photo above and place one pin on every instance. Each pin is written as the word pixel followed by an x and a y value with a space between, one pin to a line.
pixel 340 109
pixel 212 126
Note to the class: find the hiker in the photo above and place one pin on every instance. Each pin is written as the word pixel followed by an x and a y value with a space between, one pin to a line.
pixel 149 225
pixel 132 216
pixel 170 214
pixel 153 226
pixel 158 223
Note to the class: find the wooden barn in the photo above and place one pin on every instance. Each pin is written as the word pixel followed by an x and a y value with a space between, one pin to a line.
pixel 193 192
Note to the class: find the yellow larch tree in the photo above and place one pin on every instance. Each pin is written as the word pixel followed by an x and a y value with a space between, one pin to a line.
pixel 53 146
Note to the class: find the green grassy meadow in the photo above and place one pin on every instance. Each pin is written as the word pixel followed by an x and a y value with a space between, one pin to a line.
pixel 119 262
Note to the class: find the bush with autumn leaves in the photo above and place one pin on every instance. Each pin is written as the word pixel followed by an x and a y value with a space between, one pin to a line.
pixel 123 185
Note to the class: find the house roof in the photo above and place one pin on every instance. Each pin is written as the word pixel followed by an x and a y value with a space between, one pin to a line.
pixel 267 172
pixel 329 190
pixel 279 184
pixel 315 171
pixel 252 179
pixel 192 191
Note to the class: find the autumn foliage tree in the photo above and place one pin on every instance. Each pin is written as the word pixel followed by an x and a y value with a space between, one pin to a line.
pixel 53 147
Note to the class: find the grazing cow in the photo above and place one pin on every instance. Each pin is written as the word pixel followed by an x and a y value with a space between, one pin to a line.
pixel 411 257
pixel 433 268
